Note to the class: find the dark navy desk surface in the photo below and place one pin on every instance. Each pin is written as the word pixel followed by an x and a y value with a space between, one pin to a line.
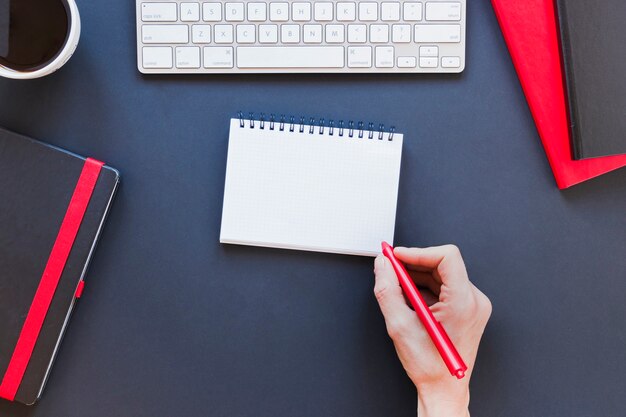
pixel 174 324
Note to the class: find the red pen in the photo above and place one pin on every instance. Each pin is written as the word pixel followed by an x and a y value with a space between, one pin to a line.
pixel 435 330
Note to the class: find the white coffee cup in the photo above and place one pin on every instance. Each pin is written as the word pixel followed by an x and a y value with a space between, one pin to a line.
pixel 61 57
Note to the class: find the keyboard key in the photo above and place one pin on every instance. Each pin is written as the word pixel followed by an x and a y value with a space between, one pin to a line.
pixel 157 57
pixel 323 11
pixel 279 12
pixel 257 12
pixel 246 33
pixel 450 62
pixel 359 56
pixel 268 34
pixel 187 57
pixel 412 11
pixel 233 12
pixel 428 62
pixel 384 57
pixel 218 57
pixel 212 12
pixel 438 33
pixel 189 12
pixel 357 33
pixel 290 57
pixel 407 62
pixel 429 51
pixel 379 33
pixel 346 12
pixel 201 34
pixel 390 12
pixel 368 11
pixel 165 33
pixel 335 33
pixel 223 34
pixel 443 11
pixel 290 33
pixel 401 34
pixel 300 12
pixel 312 33
pixel 158 12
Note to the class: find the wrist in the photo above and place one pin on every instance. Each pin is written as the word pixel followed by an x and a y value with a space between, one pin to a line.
pixel 447 400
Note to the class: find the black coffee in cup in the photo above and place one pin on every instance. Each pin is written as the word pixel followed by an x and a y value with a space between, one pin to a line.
pixel 5 14
pixel 32 32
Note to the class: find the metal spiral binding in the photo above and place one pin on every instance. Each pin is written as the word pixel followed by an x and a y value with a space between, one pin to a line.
pixel 321 126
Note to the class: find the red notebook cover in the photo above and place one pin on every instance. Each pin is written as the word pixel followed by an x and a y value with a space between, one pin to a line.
pixel 530 31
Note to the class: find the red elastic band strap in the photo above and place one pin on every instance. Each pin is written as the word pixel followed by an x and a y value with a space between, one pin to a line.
pixel 79 289
pixel 50 279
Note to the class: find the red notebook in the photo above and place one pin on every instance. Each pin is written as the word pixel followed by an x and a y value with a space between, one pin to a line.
pixel 530 31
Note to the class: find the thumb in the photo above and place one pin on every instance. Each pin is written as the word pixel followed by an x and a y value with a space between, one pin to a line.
pixel 389 293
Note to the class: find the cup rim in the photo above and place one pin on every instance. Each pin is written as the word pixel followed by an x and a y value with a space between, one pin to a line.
pixel 62 57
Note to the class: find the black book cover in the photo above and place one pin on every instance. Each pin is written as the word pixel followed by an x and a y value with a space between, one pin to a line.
pixel 36 184
pixel 594 61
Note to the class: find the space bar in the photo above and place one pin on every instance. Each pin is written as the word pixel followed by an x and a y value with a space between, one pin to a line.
pixel 290 57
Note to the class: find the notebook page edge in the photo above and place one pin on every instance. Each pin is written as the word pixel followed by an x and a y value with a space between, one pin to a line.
pixel 337 251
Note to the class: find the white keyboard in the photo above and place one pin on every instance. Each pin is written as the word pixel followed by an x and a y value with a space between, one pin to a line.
pixel 222 37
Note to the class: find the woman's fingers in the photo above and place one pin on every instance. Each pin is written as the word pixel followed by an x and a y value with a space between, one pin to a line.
pixel 445 262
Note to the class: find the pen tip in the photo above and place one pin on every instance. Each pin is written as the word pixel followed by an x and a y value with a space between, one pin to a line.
pixel 385 245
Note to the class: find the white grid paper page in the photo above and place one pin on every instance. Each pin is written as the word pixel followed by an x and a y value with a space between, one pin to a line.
pixel 305 191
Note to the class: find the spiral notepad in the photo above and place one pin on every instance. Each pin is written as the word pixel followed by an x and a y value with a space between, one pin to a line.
pixel 311 185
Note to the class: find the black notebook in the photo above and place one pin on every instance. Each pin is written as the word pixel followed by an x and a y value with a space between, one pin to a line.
pixel 52 208
pixel 594 58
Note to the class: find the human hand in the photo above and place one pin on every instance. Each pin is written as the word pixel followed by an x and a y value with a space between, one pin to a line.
pixel 461 308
